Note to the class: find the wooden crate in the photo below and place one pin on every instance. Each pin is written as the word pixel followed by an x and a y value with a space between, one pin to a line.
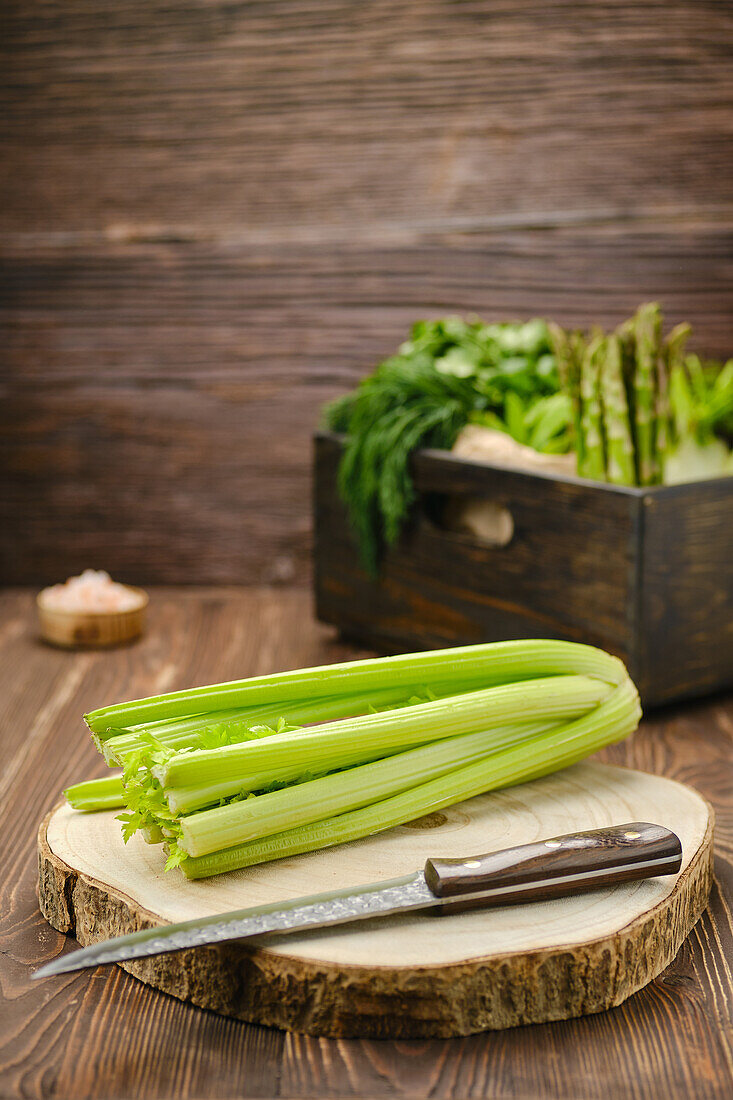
pixel 644 573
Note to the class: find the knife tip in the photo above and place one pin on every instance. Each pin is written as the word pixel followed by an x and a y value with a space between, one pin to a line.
pixel 48 971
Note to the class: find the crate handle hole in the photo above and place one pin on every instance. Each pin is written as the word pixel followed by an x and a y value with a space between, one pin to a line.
pixel 483 521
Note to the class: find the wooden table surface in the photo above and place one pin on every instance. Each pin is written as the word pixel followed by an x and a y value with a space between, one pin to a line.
pixel 103 1034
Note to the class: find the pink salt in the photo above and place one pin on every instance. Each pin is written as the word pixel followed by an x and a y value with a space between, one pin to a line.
pixel 93 590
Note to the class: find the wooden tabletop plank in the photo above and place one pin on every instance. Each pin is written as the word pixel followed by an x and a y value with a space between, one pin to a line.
pixel 103 1034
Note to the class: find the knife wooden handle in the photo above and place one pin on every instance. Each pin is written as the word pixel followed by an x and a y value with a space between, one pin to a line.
pixel 551 868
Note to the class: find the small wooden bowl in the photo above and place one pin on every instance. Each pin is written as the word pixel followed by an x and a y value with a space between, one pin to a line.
pixel 91 628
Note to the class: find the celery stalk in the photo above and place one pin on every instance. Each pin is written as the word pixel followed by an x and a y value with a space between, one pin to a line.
pixel 186 800
pixel 186 732
pixel 304 803
pixel 356 740
pixel 178 733
pixel 560 747
pixel 96 794
pixel 493 663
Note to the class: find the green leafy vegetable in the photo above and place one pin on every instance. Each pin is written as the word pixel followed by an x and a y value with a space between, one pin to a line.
pixel 448 373
pixel 96 794
pixel 383 733
pixel 617 427
pixel 647 324
pixel 591 417
pixel 559 747
pixel 634 409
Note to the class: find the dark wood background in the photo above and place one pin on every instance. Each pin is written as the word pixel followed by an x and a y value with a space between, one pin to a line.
pixel 216 216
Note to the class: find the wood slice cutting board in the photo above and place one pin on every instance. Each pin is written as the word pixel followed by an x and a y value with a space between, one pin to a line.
pixel 414 975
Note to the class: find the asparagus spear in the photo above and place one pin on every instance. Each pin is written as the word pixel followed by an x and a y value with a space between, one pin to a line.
pixel 672 359
pixel 619 444
pixel 626 333
pixel 627 339
pixel 591 422
pixel 647 324
pixel 627 336
pixel 577 348
pixel 568 347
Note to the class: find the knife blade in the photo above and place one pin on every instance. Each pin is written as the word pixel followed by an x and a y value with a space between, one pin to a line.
pixel 557 866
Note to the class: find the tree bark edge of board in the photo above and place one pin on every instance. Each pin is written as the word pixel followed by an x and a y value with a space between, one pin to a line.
pixel 322 999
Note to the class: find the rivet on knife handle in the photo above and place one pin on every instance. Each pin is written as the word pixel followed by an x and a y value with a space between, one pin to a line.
pixel 558 866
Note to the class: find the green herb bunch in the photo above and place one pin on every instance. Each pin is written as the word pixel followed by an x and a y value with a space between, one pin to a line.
pixel 448 373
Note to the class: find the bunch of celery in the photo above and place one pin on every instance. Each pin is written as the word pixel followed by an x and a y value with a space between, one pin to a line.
pixel 234 774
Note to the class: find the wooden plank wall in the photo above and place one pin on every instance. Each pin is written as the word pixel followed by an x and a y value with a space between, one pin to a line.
pixel 216 215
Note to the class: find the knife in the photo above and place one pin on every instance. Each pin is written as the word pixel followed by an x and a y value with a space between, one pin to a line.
pixel 530 872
